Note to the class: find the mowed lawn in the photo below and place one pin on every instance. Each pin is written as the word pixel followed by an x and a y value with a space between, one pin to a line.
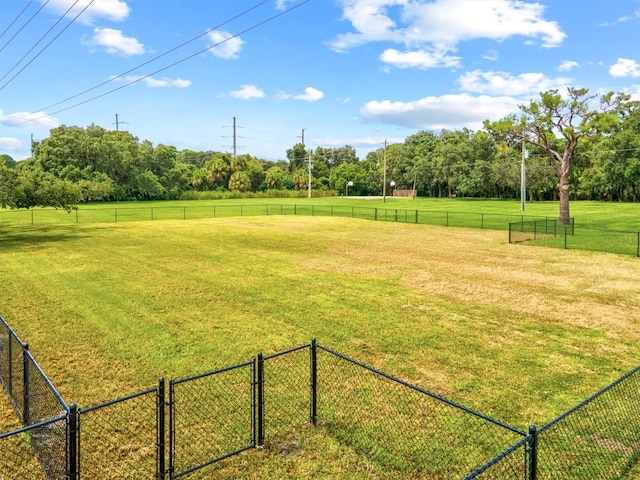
pixel 518 332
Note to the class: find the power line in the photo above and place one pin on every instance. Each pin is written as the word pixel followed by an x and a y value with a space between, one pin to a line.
pixel 154 58
pixel 16 19
pixel 46 46
pixel 179 61
pixel 22 28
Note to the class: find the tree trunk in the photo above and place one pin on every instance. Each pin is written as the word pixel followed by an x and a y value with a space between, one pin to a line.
pixel 565 218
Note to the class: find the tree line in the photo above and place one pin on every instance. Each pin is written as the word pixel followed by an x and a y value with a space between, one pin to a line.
pixel 573 148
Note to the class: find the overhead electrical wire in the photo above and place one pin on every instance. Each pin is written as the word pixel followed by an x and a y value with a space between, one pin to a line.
pixel 47 45
pixel 156 57
pixel 253 27
pixel 16 19
pixel 23 26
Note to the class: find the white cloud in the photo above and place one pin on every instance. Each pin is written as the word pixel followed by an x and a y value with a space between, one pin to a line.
pixel 282 4
pixel 443 24
pixel 625 67
pixel 310 95
pixel 115 42
pixel 225 46
pixel 115 10
pixel 447 111
pixel 491 55
pixel 502 83
pixel 247 92
pixel 568 65
pixel 623 19
pixel 634 91
pixel 11 145
pixel 419 59
pixel 358 142
pixel 431 30
pixel 28 120
pixel 160 82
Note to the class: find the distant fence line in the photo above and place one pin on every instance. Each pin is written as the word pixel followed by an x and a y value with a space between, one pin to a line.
pixel 613 241
pixel 182 426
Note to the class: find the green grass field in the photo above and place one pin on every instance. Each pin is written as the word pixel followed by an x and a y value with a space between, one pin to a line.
pixel 518 332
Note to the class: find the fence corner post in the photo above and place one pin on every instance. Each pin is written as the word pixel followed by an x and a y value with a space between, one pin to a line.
pixel 72 445
pixel 533 453
pixel 161 429
pixel 260 385
pixel 25 385
pixel 313 414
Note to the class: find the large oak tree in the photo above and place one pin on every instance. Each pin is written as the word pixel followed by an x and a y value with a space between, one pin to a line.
pixel 558 123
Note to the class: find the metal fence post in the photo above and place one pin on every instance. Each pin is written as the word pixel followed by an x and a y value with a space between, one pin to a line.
pixel 416 216
pixel 25 383
pixel 260 401
pixel 375 215
pixel 638 250
pixel 161 418
pixel 313 415
pixel 172 427
pixel 565 237
pixel 10 337
pixel 72 445
pixel 533 453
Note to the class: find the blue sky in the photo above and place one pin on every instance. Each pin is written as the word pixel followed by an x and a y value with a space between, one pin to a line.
pixel 347 72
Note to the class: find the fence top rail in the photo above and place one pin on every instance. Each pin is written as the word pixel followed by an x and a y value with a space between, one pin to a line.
pixel 423 391
pixel 11 331
pixel 33 426
pixel 590 399
pixel 210 372
pixel 118 400
pixel 497 458
pixel 284 352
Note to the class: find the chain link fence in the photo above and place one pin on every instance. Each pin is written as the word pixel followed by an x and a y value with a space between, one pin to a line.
pixel 43 441
pixel 599 438
pixel 407 431
pixel 545 231
pixel 212 417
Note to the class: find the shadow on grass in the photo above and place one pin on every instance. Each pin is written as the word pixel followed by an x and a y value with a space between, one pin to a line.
pixel 13 238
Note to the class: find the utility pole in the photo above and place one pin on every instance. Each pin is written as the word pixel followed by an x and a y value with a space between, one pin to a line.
pixel 235 137
pixel 32 144
pixel 118 123
pixel 309 194
pixel 384 173
pixel 302 136
pixel 523 179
